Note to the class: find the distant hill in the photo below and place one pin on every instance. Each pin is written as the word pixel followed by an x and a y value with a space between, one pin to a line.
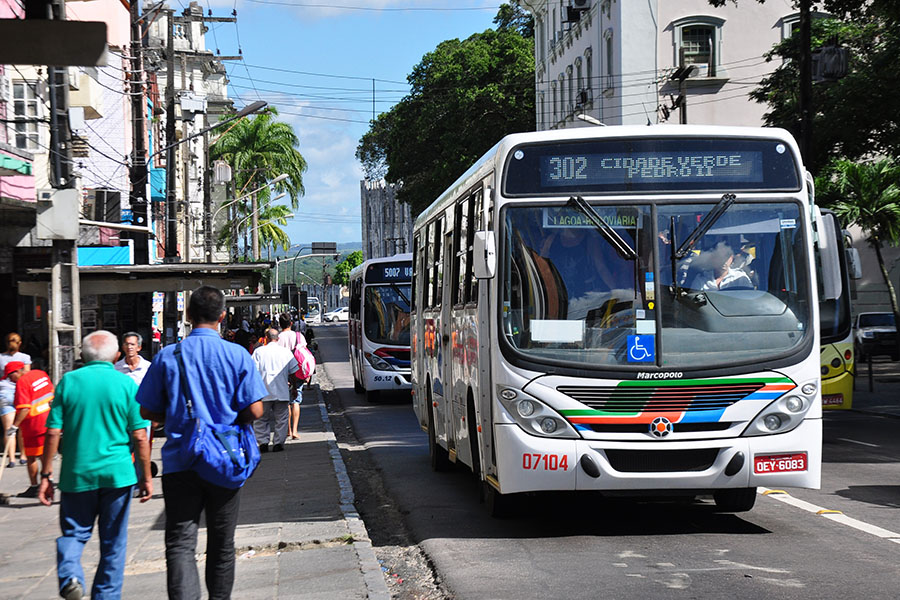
pixel 344 248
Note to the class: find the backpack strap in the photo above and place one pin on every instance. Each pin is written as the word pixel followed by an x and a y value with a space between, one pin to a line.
pixel 185 389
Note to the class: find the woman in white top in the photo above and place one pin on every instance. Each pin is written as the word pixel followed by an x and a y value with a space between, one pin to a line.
pixel 291 339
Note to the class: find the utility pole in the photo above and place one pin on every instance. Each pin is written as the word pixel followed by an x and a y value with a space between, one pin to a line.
pixel 65 294
pixel 170 308
pixel 254 222
pixel 207 202
pixel 171 221
pixel 138 174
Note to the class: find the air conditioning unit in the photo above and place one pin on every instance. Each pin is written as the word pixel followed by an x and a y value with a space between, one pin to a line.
pixel 581 4
pixel 700 70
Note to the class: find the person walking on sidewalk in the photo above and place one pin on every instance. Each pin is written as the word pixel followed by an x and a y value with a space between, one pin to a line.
pixel 276 364
pixel 96 409
pixel 225 388
pixel 34 393
pixel 133 364
pixel 8 390
pixel 292 339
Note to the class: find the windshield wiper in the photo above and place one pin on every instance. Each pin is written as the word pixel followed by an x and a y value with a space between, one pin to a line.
pixel 705 225
pixel 614 239
pixel 400 293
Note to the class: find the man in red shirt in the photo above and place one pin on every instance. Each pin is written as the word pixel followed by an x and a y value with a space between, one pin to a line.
pixel 34 393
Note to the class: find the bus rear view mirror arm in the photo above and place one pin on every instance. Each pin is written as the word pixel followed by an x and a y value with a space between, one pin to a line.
pixel 484 255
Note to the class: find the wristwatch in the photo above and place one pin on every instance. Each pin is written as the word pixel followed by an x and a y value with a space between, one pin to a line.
pixel 47 476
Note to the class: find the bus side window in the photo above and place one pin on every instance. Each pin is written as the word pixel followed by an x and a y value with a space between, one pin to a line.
pixel 428 287
pixel 471 285
pixel 437 274
pixel 460 233
pixel 415 269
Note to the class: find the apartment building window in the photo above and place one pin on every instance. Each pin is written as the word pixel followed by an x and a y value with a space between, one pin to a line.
pixel 698 42
pixel 608 83
pixel 555 100
pixel 579 75
pixel 562 96
pixel 26 111
pixel 589 67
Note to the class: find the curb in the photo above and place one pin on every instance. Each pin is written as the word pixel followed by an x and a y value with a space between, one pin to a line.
pixel 376 587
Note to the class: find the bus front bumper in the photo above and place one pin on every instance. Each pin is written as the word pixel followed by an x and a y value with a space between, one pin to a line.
pixel 837 392
pixel 533 463
pixel 387 380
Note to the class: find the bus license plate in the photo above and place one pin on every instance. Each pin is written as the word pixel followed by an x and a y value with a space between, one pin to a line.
pixel 779 463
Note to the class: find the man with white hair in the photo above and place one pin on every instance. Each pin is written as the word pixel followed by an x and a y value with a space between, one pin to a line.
pixel 95 406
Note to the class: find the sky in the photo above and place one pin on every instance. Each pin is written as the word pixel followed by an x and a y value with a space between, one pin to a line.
pixel 315 61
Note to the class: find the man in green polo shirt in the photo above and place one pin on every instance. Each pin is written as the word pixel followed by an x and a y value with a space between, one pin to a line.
pixel 95 408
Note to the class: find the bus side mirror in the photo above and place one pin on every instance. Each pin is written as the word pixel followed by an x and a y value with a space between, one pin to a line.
pixel 854 266
pixel 484 257
pixel 829 246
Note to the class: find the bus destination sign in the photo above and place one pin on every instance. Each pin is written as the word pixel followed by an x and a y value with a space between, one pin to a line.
pixel 399 272
pixel 654 164
pixel 649 166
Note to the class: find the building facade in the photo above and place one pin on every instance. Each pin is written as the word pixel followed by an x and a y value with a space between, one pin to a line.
pixel 386 222
pixel 614 61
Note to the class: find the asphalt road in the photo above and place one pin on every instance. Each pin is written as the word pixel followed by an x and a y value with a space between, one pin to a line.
pixel 565 546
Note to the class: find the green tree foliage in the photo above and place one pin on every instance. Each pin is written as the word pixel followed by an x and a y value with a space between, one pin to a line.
pixel 465 96
pixel 259 149
pixel 857 116
pixel 270 223
pixel 343 268
pixel 867 194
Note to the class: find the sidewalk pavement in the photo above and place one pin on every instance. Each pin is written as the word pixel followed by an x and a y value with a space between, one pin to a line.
pixel 298 533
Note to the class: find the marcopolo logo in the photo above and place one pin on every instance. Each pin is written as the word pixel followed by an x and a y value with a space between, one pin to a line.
pixel 662 375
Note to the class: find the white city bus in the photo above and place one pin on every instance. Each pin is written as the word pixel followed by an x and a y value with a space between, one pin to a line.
pixel 378 328
pixel 624 309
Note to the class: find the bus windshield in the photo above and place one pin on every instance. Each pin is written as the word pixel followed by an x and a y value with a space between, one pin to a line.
pixel 740 293
pixel 387 313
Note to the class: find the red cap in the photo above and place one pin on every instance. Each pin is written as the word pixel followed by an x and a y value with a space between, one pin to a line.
pixel 11 367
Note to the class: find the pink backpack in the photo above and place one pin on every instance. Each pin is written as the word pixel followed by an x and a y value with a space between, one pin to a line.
pixel 305 359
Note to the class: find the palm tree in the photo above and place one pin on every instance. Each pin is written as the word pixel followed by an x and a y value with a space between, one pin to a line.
pixel 270 234
pixel 867 194
pixel 258 149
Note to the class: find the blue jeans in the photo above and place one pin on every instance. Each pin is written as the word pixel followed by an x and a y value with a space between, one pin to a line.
pixel 77 512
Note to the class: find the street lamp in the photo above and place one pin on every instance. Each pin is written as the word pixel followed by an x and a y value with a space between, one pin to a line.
pixel 171 248
pixel 252 194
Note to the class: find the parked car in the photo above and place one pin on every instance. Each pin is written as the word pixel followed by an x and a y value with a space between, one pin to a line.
pixel 338 314
pixel 875 334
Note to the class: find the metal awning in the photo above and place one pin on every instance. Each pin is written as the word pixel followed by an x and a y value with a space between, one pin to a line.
pixel 14 161
pixel 253 299
pixel 170 277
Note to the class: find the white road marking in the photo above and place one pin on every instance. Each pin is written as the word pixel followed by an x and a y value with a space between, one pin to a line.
pixel 837 517
pixel 858 442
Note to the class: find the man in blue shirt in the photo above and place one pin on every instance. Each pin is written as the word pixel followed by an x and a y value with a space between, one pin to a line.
pixel 225 388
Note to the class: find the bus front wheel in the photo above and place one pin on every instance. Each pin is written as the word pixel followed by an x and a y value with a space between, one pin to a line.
pixel 735 500
pixel 499 506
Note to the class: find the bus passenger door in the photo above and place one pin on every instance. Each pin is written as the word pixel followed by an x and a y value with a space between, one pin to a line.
pixel 445 327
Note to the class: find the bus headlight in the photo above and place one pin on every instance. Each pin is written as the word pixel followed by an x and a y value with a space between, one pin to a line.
pixel 534 416
pixel 525 408
pixel 772 422
pixel 783 414
pixel 378 363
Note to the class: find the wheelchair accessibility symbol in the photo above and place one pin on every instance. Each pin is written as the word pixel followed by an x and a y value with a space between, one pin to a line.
pixel 641 348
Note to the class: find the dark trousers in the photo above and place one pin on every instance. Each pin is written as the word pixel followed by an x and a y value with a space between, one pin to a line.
pixel 186 496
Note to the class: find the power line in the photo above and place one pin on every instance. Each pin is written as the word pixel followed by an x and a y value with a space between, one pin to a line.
pixel 375 9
